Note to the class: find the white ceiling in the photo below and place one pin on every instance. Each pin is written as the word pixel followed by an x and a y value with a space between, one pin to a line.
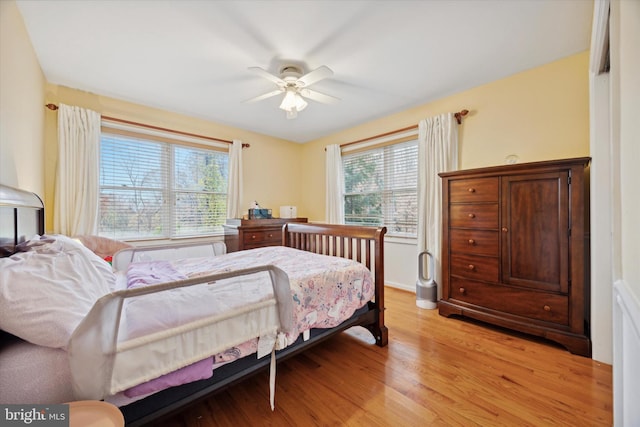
pixel 192 57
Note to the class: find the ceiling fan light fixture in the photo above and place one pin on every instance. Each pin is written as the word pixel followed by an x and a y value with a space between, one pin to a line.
pixel 301 104
pixel 289 101
pixel 295 85
pixel 292 103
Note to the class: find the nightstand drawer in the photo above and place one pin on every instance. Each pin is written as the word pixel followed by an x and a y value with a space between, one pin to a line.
pixel 475 267
pixel 473 190
pixel 474 216
pixel 483 242
pixel 262 237
pixel 534 305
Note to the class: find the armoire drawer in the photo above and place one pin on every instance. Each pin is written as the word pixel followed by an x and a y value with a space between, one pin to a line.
pixel 483 242
pixel 475 267
pixel 531 304
pixel 474 216
pixel 473 190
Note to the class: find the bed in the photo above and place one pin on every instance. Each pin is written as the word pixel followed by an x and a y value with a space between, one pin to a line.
pixel 22 216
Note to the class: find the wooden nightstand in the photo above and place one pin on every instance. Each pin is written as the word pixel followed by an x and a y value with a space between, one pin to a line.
pixel 241 234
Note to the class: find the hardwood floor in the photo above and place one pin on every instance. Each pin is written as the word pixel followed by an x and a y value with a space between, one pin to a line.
pixel 435 372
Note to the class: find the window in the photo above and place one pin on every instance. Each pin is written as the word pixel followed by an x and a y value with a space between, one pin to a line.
pixel 154 188
pixel 381 187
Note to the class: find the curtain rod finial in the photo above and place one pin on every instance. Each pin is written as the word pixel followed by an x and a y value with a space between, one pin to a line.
pixel 52 107
pixel 459 115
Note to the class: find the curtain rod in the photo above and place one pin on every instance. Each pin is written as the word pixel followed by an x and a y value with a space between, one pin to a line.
pixel 459 115
pixel 54 107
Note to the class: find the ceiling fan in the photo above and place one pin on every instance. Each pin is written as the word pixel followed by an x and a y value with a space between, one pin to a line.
pixel 295 87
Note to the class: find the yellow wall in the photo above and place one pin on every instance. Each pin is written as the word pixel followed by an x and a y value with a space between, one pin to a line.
pixel 539 114
pixel 271 166
pixel 21 105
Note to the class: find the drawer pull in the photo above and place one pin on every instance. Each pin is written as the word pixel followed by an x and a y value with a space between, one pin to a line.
pixel 472 242
pixel 463 290
pixel 471 267
pixel 472 190
pixel 471 215
pixel 270 235
pixel 547 308
pixel 253 237
pixel 505 229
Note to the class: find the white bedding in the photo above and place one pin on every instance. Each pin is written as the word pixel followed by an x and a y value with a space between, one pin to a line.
pixel 54 282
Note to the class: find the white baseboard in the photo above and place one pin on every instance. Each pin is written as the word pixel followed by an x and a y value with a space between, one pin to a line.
pixel 626 356
pixel 402 286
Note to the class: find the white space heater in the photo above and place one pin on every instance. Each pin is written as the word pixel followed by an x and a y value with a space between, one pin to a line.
pixel 426 287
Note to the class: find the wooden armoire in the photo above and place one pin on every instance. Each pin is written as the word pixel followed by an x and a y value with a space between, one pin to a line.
pixel 515 248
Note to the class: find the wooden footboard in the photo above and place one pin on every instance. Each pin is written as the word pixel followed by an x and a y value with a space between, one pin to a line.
pixel 362 244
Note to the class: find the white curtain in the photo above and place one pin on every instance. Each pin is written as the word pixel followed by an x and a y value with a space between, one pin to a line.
pixel 78 172
pixel 234 193
pixel 437 152
pixel 335 183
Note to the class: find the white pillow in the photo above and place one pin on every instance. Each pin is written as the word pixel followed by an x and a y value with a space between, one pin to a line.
pixel 47 290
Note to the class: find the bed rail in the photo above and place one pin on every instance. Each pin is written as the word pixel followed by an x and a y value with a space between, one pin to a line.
pixel 124 257
pixel 102 364
pixel 362 244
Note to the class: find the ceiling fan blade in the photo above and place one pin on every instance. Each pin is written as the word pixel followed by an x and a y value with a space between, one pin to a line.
pixel 318 96
pixel 264 96
pixel 267 75
pixel 316 75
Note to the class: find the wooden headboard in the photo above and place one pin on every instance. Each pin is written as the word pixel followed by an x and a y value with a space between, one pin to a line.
pixel 21 216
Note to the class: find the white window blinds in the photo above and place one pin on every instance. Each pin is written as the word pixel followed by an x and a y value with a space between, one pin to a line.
pixel 153 188
pixel 381 187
